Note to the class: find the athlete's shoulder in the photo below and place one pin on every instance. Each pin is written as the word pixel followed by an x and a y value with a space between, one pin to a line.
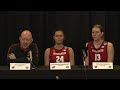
pixel 110 44
pixel 66 47
pixel 51 47
pixel 48 49
pixel 89 43
pixel 105 43
pixel 70 48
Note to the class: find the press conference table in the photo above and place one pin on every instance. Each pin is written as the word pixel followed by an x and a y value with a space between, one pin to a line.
pixel 76 72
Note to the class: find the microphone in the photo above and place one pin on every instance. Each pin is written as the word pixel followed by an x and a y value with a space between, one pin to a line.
pixel 30 52
pixel 32 65
pixel 84 52
pixel 84 56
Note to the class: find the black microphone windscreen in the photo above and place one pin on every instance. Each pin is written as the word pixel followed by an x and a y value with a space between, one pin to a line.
pixel 84 53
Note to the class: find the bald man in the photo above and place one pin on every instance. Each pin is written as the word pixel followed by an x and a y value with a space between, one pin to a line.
pixel 20 52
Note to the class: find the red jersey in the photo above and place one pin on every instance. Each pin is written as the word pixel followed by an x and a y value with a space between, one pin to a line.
pixel 57 56
pixel 97 55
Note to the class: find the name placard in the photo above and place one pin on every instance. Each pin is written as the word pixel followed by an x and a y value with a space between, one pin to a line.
pixel 60 66
pixel 20 66
pixel 102 65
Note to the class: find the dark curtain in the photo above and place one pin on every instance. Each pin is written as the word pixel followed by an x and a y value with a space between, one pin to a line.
pixel 77 25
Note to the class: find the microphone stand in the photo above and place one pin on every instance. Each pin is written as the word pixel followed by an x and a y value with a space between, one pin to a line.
pixel 32 66
pixel 84 64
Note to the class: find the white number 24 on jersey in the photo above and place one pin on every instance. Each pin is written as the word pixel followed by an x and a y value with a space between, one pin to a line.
pixel 59 59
